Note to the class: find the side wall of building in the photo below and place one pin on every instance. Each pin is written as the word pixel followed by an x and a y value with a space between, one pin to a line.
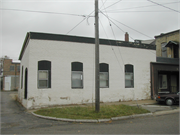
pixel 62 54
pixel 23 66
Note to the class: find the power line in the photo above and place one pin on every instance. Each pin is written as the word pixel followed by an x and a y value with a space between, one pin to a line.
pixel 80 22
pixel 141 6
pixel 102 4
pixel 43 12
pixel 131 28
pixel 126 26
pixel 117 45
pixel 112 4
pixel 115 39
pixel 163 6
pixel 111 46
pixel 135 11
pixel 116 25
pixel 76 26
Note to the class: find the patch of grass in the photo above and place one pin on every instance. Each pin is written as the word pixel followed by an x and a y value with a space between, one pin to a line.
pixel 89 112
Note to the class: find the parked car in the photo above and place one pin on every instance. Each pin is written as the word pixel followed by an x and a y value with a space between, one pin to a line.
pixel 169 99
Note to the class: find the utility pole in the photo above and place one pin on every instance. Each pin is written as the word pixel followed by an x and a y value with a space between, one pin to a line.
pixel 97 92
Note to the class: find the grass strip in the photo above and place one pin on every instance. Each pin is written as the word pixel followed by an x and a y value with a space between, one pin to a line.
pixel 78 112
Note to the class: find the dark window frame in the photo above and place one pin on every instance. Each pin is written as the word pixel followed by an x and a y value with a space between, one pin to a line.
pixel 129 69
pixel 77 68
pixel 44 65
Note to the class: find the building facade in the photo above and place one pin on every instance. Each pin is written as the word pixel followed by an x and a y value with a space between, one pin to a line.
pixel 10 74
pixel 165 71
pixel 60 69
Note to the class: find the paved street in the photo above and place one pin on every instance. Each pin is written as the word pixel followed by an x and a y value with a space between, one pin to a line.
pixel 15 120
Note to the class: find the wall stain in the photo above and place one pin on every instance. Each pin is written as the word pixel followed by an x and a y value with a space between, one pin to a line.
pixel 67 98
pixel 49 98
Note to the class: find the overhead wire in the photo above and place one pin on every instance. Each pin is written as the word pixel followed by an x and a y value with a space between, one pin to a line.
pixel 131 28
pixel 112 4
pixel 75 26
pixel 140 7
pixel 43 12
pixel 116 25
pixel 163 6
pixel 80 22
pixel 110 44
pixel 129 36
pixel 124 32
pixel 115 39
pixel 136 11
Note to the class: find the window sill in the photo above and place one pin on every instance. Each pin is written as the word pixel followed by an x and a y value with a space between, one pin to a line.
pixel 44 88
pixel 129 87
pixel 77 88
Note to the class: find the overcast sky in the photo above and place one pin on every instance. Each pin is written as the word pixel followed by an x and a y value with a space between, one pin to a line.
pixel 142 19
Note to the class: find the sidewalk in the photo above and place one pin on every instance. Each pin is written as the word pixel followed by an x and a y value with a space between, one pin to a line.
pixel 151 105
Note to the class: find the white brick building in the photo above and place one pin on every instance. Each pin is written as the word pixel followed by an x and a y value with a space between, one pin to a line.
pixel 59 69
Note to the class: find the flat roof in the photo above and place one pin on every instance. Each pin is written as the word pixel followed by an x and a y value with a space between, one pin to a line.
pixel 79 39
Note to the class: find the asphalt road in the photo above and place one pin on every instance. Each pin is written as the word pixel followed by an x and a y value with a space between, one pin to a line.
pixel 16 120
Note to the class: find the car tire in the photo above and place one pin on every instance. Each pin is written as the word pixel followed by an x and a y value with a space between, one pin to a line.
pixel 169 102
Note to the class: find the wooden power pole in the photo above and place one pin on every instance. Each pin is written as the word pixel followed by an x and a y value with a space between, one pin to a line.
pixel 97 92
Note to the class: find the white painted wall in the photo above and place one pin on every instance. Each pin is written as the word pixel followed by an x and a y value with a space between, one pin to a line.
pixel 62 53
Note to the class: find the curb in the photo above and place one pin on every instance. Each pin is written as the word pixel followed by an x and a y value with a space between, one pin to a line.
pixel 106 120
pixel 92 120
pixel 166 112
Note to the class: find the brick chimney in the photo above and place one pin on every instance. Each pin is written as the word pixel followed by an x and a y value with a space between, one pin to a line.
pixel 126 37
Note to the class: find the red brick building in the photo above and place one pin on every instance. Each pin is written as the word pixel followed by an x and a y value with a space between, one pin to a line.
pixel 11 71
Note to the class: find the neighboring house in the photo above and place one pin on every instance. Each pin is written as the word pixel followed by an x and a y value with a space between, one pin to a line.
pixel 60 69
pixel 165 71
pixel 10 74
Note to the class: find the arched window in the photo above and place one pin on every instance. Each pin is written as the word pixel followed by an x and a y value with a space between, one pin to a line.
pixel 77 75
pixel 44 74
pixel 129 76
pixel 104 75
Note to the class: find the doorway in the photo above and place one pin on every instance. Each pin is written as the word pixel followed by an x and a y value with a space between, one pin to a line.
pixel 174 83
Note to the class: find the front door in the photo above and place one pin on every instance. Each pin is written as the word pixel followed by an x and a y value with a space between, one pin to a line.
pixel 174 84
